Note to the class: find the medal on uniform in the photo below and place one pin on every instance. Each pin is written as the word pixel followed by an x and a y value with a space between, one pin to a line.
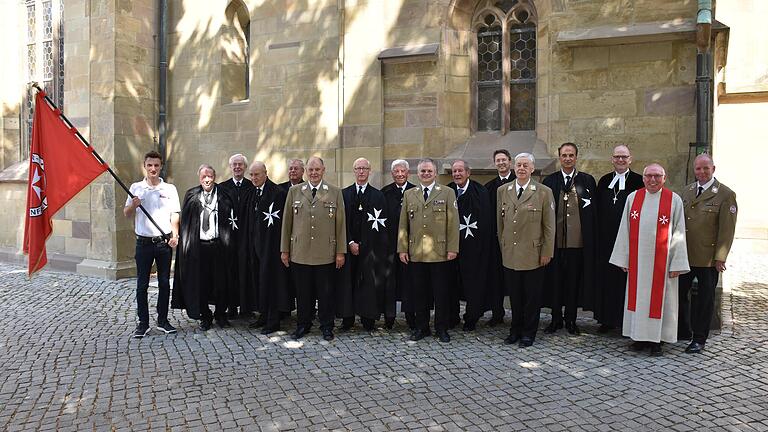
pixel 565 197
pixel 360 207
pixel 410 213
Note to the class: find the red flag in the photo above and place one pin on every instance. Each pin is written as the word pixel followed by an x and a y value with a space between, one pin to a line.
pixel 60 166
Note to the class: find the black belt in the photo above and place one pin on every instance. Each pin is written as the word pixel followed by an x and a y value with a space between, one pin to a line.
pixel 149 240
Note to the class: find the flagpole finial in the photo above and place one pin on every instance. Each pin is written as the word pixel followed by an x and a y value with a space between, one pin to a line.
pixel 34 84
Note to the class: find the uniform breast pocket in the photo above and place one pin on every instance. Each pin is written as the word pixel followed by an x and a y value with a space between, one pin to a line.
pixel 711 211
pixel 330 207
pixel 534 214
pixel 296 207
pixel 438 212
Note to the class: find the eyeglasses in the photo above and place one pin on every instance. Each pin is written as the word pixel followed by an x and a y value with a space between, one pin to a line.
pixel 620 157
pixel 361 169
pixel 655 176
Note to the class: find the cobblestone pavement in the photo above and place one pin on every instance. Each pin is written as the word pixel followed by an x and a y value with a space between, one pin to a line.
pixel 67 363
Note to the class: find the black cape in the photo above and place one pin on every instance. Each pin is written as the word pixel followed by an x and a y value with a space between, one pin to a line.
pixel 286 185
pixel 476 233
pixel 236 267
pixel 496 288
pixel 186 278
pixel 366 294
pixel 396 273
pixel 612 283
pixel 586 189
pixel 266 279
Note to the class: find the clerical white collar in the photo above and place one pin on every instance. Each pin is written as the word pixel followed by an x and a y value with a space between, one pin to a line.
pixel 431 187
pixel 620 178
pixel 506 177
pixel 525 186
pixel 708 184
pixel 571 175
pixel 364 186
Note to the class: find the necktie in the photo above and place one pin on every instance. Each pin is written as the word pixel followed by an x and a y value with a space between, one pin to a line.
pixel 567 183
pixel 426 193
pixel 208 196
pixel 258 195
pixel 237 184
pixel 359 193
pixel 519 192
pixel 461 192
pixel 701 189
pixel 314 192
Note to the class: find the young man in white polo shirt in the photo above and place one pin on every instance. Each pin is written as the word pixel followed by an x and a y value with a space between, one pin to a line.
pixel 161 200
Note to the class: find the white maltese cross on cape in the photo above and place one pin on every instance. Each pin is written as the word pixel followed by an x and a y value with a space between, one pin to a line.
pixel 376 219
pixel 469 226
pixel 271 215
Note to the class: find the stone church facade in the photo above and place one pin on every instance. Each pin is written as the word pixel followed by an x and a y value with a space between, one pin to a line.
pixel 341 79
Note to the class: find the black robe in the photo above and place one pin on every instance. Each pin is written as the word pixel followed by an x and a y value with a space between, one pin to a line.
pixel 496 288
pixel 237 268
pixel 396 272
pixel 612 281
pixel 266 277
pixel 365 294
pixel 476 235
pixel 585 187
pixel 186 277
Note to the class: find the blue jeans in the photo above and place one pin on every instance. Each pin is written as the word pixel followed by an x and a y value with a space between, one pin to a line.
pixel 160 254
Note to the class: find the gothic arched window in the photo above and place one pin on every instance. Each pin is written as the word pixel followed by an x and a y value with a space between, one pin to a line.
pixel 235 61
pixel 504 65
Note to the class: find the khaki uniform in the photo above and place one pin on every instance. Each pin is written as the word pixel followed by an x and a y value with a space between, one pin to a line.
pixel 526 226
pixel 710 223
pixel 429 230
pixel 314 229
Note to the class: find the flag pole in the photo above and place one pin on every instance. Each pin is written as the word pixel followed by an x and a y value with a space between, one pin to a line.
pixel 85 142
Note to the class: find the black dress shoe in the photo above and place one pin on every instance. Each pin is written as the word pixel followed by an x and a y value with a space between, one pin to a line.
pixel 300 332
pixel 347 323
pixel 328 334
pixel 553 327
pixel 572 328
pixel 605 328
pixel 389 323
pixel 418 335
pixel 469 326
pixel 695 348
pixel 205 325
pixel 368 324
pixel 656 350
pixel 511 339
pixel 232 313
pixel 495 320
pixel 443 336
pixel 258 323
pixel 267 330
pixel 223 322
pixel 638 345
pixel 525 342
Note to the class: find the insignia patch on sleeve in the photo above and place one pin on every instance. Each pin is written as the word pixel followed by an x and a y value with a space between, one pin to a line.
pixel 552 205
pixel 733 209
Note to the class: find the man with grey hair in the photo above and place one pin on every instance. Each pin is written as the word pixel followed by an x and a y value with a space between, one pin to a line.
pixel 237 187
pixel 363 289
pixel 475 241
pixel 650 247
pixel 396 277
pixel 525 217
pixel 428 238
pixel 205 250
pixel 295 174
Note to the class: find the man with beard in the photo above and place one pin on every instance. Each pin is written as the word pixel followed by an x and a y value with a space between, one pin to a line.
pixel 495 293
pixel 710 211
pixel 650 247
pixel 237 187
pixel 295 174
pixel 202 272
pixel 313 242
pixel 570 275
pixel 366 217
pixel 525 215
pixel 428 238
pixel 475 237
pixel 396 277
pixel 262 223
pixel 611 194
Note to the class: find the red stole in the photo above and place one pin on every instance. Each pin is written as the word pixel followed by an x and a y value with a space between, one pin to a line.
pixel 663 221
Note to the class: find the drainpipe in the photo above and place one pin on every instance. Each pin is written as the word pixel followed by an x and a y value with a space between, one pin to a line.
pixel 162 82
pixel 703 76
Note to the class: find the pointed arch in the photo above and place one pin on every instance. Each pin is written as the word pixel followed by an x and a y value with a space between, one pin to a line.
pixel 235 60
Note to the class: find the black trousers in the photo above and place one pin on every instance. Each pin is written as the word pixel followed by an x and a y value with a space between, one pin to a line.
pixel 568 266
pixel 525 300
pixel 430 280
pixel 496 287
pixel 614 289
pixel 314 282
pixel 696 316
pixel 210 292
pixel 146 254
